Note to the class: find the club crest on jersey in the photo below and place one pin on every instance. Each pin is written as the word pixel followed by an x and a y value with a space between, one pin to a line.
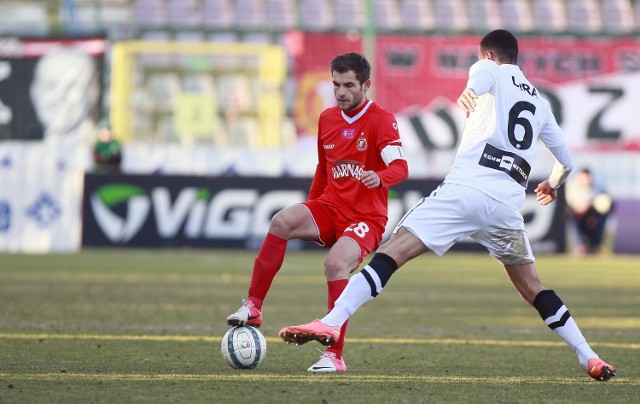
pixel 348 133
pixel 361 144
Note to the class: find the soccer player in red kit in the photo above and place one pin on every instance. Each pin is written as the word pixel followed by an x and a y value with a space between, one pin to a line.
pixel 359 157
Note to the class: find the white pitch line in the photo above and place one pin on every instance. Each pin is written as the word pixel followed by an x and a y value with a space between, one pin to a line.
pixel 412 341
pixel 270 377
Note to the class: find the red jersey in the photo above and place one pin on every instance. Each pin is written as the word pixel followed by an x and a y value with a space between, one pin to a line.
pixel 347 146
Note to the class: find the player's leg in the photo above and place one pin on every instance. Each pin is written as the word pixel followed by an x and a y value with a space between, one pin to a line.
pixel 343 257
pixel 434 223
pixel 361 288
pixel 507 241
pixel 369 282
pixel 295 221
pixel 557 317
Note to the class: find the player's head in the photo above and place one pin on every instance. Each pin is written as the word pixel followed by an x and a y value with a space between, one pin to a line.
pixel 351 79
pixel 352 61
pixel 500 46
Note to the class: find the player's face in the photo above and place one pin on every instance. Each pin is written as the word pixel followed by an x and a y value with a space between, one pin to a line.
pixel 348 91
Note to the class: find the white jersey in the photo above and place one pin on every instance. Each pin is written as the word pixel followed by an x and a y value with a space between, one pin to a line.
pixel 500 137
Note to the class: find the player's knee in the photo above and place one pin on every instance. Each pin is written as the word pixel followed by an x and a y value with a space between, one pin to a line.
pixel 281 225
pixel 335 268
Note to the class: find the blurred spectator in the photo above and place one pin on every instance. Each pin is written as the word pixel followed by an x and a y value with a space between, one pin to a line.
pixel 589 208
pixel 107 152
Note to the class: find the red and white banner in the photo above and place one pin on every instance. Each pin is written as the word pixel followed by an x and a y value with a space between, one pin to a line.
pixel 592 84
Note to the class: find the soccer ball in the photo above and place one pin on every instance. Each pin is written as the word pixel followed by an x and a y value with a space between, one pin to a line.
pixel 243 347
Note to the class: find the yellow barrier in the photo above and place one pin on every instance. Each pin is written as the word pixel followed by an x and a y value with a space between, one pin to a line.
pixel 257 71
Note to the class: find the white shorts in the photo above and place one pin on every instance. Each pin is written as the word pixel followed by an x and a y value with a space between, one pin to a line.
pixel 454 212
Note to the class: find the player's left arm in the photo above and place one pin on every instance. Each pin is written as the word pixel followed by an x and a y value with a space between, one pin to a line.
pixel 546 191
pixel 553 139
pixel 397 169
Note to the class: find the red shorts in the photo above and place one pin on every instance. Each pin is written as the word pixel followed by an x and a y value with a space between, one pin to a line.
pixel 334 223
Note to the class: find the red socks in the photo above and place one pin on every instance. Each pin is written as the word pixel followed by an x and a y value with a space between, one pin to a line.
pixel 265 267
pixel 335 289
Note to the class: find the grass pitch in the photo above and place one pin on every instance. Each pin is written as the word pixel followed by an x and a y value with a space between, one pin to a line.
pixel 145 326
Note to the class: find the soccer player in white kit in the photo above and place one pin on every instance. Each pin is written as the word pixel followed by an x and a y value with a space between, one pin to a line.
pixel 480 198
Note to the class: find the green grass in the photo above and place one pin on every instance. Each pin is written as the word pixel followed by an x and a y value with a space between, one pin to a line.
pixel 145 326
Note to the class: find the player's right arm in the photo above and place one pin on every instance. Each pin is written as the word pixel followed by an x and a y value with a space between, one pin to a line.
pixel 319 181
pixel 482 78
pixel 467 101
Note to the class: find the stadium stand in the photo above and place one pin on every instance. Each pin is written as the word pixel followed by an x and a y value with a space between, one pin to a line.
pixel 417 15
pixel 249 14
pixel 550 16
pixel 517 15
pixel 150 13
pixel 350 14
pixel 451 15
pixel 127 18
pixel 268 21
pixel 281 14
pixel 257 37
pixel 277 22
pixel 24 18
pixel 223 37
pixel 153 35
pixel 235 93
pixel 387 15
pixel 584 16
pixel 217 14
pixel 484 15
pixel 184 13
pixel 189 36
pixel 617 16
pixel 162 88
pixel 316 15
pixel 82 17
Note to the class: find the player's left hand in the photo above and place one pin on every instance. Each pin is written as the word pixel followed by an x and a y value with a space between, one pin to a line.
pixel 545 194
pixel 370 179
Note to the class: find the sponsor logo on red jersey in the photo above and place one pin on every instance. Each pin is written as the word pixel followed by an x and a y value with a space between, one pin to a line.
pixel 348 133
pixel 347 169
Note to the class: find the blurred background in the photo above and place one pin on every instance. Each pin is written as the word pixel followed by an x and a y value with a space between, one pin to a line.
pixel 188 123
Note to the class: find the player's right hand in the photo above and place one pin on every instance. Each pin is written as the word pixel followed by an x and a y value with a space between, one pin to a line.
pixel 467 101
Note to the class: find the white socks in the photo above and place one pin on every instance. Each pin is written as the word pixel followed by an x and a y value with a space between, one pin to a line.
pixel 357 293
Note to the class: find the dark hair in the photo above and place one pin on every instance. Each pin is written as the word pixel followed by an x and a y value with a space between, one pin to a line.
pixel 503 44
pixel 352 61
